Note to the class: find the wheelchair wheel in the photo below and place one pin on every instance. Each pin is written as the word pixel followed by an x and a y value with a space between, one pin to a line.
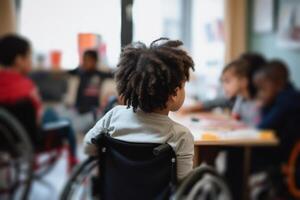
pixel 16 159
pixel 79 184
pixel 203 183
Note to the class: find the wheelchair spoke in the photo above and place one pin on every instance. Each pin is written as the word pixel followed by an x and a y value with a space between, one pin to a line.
pixel 79 184
pixel 17 174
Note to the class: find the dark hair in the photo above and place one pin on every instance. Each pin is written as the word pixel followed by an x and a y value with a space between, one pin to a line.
pixel 92 54
pixel 12 46
pixel 147 76
pixel 256 60
pixel 276 71
pixel 246 66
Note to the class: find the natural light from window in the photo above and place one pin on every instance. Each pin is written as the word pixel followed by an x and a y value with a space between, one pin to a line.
pixel 55 25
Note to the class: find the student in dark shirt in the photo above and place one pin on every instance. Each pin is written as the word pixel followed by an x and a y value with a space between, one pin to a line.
pixel 90 82
pixel 280 107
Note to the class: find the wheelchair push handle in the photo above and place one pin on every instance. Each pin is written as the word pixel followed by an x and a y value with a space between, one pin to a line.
pixel 96 140
pixel 160 149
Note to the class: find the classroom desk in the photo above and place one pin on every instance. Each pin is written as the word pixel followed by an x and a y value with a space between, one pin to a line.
pixel 214 130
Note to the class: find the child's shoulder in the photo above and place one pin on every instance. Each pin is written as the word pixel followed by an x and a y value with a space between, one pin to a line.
pixel 181 130
pixel 119 110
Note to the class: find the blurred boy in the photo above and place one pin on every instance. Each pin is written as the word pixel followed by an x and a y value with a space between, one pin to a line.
pixel 90 82
pixel 16 62
pixel 280 106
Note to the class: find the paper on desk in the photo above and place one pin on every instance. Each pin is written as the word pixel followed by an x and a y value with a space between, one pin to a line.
pixel 218 129
pixel 226 135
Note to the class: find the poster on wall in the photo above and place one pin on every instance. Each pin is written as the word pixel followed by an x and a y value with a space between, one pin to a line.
pixel 288 35
pixel 263 16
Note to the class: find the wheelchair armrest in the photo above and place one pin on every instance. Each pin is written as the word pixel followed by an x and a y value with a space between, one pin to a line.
pixel 51 126
pixel 160 149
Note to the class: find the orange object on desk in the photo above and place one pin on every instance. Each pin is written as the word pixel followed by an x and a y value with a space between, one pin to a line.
pixel 209 136
pixel 267 135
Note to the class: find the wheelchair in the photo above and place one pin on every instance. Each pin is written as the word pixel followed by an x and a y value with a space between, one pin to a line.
pixel 126 170
pixel 24 152
pixel 16 158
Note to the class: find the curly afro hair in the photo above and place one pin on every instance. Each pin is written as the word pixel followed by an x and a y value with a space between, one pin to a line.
pixel 148 76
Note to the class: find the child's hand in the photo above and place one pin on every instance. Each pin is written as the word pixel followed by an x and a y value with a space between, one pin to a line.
pixel 90 149
pixel 191 109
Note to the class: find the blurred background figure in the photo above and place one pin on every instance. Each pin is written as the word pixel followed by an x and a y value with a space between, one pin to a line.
pixel 84 99
pixel 90 83
pixel 15 86
pixel 280 110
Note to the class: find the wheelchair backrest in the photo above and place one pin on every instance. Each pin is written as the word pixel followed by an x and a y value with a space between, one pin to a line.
pixel 25 113
pixel 135 170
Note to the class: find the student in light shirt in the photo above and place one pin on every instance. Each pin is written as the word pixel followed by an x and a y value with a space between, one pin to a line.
pixel 240 74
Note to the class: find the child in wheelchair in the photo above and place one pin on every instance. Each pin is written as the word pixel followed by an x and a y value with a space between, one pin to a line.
pixel 150 82
pixel 16 87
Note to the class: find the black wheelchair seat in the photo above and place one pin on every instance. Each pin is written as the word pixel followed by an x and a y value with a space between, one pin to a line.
pixel 135 170
pixel 126 170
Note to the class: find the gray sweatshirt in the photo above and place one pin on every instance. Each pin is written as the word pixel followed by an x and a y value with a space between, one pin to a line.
pixel 126 125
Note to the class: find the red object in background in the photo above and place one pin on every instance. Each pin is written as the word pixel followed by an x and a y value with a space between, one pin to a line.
pixel 88 41
pixel 55 59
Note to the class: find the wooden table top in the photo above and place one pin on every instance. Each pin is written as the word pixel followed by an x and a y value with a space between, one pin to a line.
pixel 210 129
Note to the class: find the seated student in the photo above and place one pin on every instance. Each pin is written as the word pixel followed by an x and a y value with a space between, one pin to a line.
pixel 280 107
pixel 90 82
pixel 237 78
pixel 230 86
pixel 150 81
pixel 240 72
pixel 15 61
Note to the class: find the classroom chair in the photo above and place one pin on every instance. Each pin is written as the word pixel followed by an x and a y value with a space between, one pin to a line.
pixel 282 182
pixel 291 171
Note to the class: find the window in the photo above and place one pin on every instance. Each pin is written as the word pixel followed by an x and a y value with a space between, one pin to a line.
pixel 154 19
pixel 204 38
pixel 208 47
pixel 55 25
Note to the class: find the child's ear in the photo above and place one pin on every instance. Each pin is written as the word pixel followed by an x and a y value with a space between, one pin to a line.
pixel 18 60
pixel 173 97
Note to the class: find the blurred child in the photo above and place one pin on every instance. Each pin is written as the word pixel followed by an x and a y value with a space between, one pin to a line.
pixel 231 79
pixel 90 82
pixel 238 80
pixel 15 61
pixel 280 105
pixel 151 83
